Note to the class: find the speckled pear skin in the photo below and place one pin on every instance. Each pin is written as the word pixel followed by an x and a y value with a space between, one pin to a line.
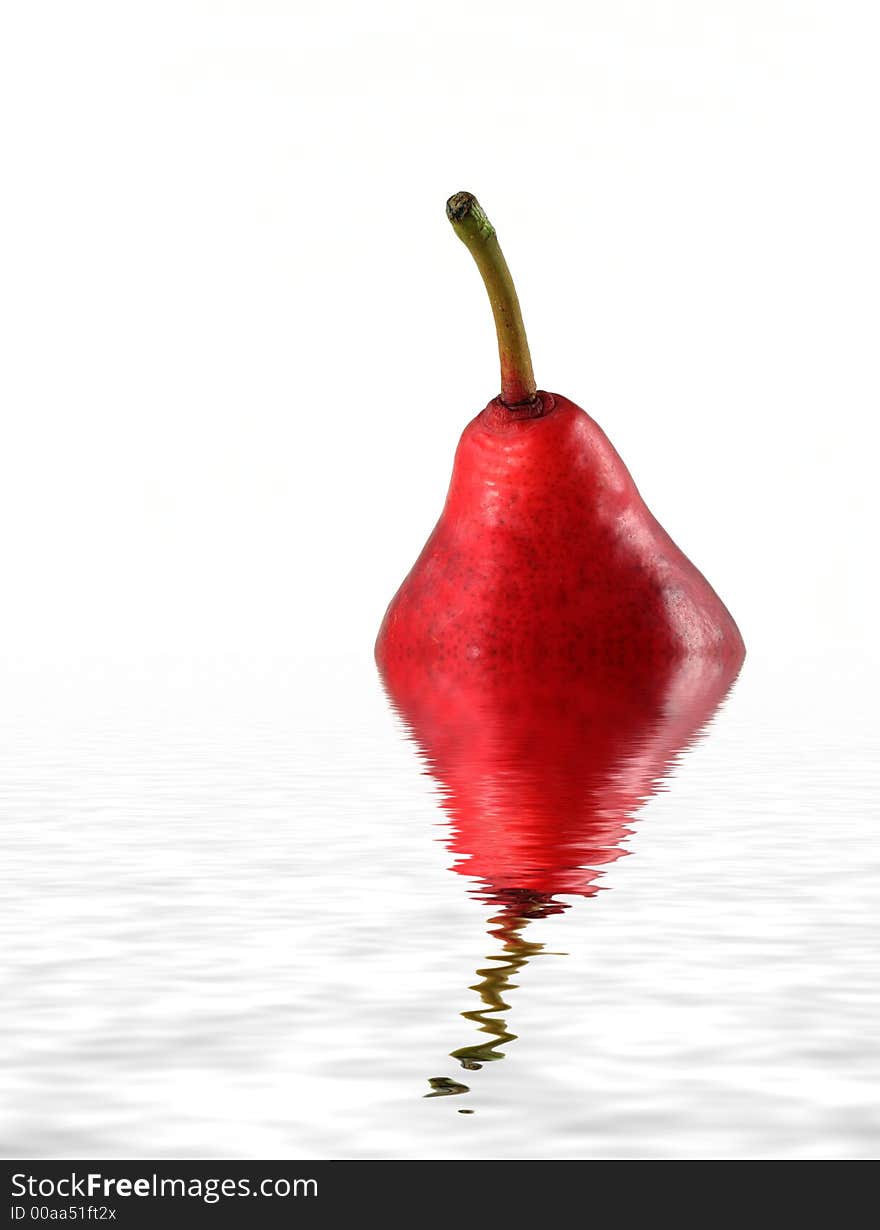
pixel 545 564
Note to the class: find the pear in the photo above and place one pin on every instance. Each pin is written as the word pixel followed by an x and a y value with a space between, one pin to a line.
pixel 546 564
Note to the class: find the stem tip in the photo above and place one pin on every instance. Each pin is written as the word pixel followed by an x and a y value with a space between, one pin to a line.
pixel 466 214
pixel 478 235
pixel 459 204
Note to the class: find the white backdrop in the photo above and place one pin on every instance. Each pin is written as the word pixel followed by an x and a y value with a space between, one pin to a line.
pixel 241 339
pixel 239 343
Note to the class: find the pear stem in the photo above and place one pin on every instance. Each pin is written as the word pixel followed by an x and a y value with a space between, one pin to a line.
pixel 477 233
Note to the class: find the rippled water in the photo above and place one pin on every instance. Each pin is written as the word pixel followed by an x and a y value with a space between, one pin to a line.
pixel 229 928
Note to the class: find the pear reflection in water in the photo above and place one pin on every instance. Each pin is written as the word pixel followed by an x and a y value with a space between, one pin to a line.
pixel 540 789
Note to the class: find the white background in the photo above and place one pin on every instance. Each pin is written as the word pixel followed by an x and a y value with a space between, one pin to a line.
pixel 240 339
pixel 239 343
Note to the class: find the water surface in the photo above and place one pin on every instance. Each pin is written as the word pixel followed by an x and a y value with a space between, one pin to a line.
pixel 230 928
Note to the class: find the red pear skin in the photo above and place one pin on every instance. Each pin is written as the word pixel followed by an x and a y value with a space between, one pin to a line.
pixel 545 562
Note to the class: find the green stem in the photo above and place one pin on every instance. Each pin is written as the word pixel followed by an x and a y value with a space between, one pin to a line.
pixel 477 233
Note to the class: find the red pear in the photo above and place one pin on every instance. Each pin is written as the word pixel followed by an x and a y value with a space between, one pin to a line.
pixel 546 561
